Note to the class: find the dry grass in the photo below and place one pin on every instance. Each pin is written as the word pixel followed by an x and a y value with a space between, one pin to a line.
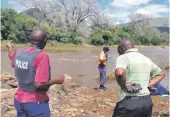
pixel 61 46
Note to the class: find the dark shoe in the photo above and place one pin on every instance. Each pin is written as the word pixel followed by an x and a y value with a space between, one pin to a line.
pixel 102 87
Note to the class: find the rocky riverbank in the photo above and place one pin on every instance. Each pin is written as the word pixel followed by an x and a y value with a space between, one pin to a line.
pixel 73 100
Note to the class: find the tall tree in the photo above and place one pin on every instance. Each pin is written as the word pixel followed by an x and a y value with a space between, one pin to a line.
pixel 139 22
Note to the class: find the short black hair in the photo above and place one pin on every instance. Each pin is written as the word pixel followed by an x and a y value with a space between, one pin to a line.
pixel 106 49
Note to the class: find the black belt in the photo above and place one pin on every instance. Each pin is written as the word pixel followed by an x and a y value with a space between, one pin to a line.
pixel 137 97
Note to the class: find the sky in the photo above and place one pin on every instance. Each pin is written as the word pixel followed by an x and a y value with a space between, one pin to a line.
pixel 116 10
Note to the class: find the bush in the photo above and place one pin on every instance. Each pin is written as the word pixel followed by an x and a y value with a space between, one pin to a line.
pixel 145 40
pixel 97 37
pixel 16 27
pixel 46 27
pixel 77 40
pixel 65 40
pixel 156 41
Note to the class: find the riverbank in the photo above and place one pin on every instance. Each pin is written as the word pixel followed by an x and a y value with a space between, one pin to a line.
pixel 57 47
pixel 75 100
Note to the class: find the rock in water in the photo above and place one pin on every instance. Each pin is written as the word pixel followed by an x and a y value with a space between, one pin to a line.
pixel 67 77
pixel 67 83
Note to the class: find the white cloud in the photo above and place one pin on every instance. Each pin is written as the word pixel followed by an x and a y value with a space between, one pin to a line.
pixel 154 10
pixel 117 17
pixel 143 11
pixel 129 3
pixel 117 23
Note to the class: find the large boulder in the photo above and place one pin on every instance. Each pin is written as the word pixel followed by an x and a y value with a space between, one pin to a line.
pixel 67 83
pixel 8 81
pixel 5 77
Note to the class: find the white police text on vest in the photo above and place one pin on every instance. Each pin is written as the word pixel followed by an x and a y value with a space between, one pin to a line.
pixel 22 64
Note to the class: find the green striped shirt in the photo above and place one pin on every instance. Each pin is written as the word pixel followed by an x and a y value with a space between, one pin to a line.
pixel 139 69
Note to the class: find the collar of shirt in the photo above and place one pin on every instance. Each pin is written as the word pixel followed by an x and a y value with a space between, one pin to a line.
pixel 132 50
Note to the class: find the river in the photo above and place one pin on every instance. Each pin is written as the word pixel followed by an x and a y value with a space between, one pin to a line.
pixel 82 64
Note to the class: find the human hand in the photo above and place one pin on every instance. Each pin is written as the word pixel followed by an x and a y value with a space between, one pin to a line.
pixel 133 87
pixel 9 44
pixel 58 80
pixel 152 89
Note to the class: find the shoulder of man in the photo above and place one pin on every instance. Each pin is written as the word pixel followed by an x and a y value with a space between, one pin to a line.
pixel 43 54
pixel 41 57
pixel 122 57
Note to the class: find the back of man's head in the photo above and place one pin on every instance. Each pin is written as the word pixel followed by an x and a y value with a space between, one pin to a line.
pixel 39 38
pixel 124 45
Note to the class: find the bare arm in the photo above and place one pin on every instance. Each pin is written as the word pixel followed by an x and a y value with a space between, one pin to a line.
pixel 157 79
pixel 120 74
pixel 156 75
pixel 10 48
pixel 43 85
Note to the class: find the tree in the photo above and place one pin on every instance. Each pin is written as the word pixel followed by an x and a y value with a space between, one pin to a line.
pixel 7 20
pixel 100 21
pixel 139 22
pixel 77 12
pixel 16 27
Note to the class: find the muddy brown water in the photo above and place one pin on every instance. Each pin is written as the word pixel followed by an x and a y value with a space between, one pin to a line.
pixel 82 64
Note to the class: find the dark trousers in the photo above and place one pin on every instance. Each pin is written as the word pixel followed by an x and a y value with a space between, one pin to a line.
pixel 140 106
pixel 32 109
pixel 161 90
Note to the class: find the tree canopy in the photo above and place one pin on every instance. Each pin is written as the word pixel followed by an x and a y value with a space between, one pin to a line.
pixel 18 26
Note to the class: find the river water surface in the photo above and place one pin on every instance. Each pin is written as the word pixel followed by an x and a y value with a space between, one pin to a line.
pixel 82 64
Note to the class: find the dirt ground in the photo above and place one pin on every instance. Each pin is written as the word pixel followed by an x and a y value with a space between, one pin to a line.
pixel 103 102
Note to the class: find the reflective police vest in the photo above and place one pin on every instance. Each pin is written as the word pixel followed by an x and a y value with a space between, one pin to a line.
pixel 25 71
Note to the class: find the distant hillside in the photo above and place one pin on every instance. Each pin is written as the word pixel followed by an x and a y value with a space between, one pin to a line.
pixel 35 13
pixel 162 24
pixel 163 29
pixel 156 22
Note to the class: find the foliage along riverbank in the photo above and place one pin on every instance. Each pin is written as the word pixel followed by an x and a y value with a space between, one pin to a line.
pixel 18 27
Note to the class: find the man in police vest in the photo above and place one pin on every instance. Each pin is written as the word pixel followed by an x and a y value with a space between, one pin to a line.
pixel 102 62
pixel 141 74
pixel 32 71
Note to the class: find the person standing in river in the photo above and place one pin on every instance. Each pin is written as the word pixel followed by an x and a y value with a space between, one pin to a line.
pixel 134 68
pixel 102 62
pixel 32 71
